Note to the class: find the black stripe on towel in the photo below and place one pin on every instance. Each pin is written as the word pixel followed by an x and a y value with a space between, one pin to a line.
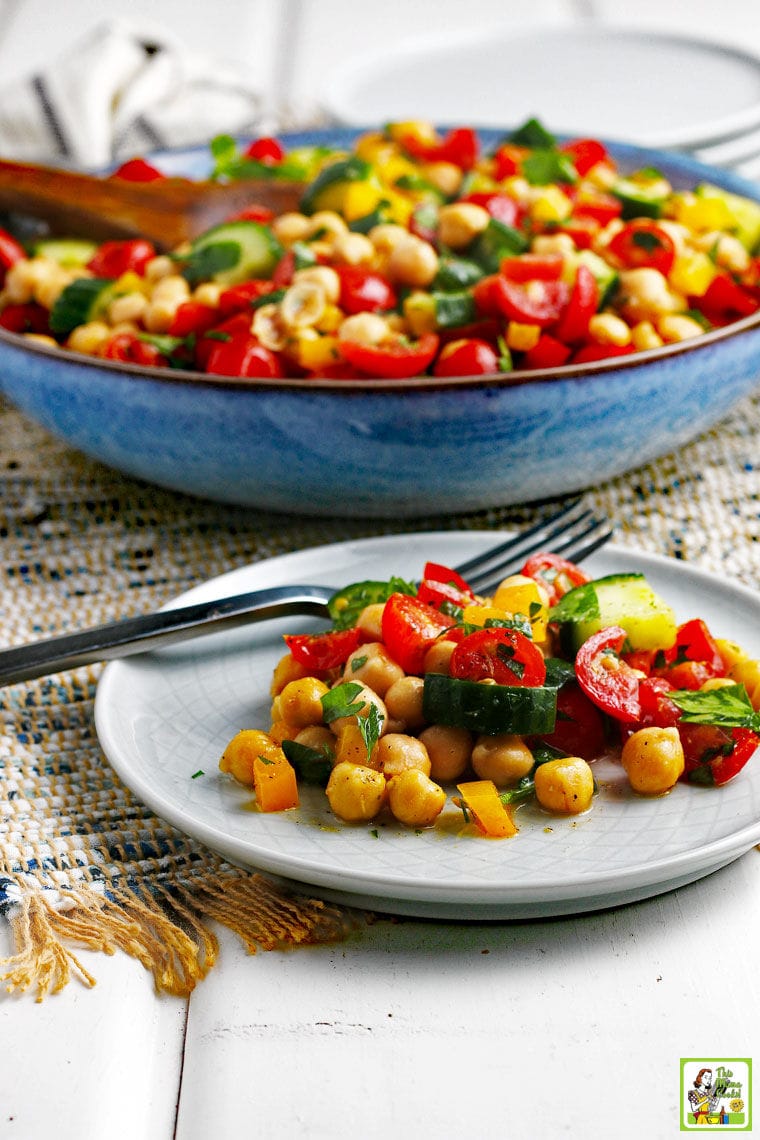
pixel 50 116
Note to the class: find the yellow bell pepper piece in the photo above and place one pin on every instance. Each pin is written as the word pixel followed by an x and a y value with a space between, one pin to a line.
pixel 360 199
pixel 551 205
pixel 481 799
pixel 692 273
pixel 520 337
pixel 519 594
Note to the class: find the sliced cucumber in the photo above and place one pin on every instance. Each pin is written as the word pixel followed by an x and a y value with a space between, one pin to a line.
pixel 328 189
pixel 497 241
pixel 66 251
pixel 233 252
pixel 745 213
pixel 626 600
pixel 455 273
pixel 489 709
pixel 454 309
pixel 641 198
pixel 81 301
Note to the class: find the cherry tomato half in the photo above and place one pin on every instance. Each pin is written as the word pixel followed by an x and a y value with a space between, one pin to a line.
pixel 138 170
pixel 536 302
pixel 556 574
pixel 583 303
pixel 466 357
pixel 129 348
pixel 11 251
pixel 606 679
pixel 364 291
pixel 395 360
pixel 265 149
pixel 641 243
pixel 505 655
pixel 533 267
pixel 409 628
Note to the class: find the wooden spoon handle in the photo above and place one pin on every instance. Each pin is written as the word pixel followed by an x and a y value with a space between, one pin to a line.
pixel 167 211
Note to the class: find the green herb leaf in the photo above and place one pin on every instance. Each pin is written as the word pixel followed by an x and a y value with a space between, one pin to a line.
pixel 341 701
pixel 533 134
pixel 543 167
pixel 727 707
pixel 195 775
pixel 370 726
pixel 204 263
pixel 578 604
pixel 312 765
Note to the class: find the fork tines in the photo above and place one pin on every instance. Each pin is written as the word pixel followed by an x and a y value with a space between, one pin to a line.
pixel 574 533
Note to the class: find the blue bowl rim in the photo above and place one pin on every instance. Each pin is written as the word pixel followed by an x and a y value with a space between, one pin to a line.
pixel 627 153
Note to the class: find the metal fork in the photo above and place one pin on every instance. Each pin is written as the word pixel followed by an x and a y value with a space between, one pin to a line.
pixel 574 533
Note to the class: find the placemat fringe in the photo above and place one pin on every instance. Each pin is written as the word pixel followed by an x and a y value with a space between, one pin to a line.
pixel 169 934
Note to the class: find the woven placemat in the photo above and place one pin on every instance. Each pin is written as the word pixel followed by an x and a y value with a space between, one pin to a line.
pixel 82 862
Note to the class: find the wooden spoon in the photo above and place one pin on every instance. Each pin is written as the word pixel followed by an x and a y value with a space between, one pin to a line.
pixel 167 211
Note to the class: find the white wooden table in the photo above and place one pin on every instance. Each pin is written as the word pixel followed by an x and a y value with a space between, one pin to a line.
pixel 569 1027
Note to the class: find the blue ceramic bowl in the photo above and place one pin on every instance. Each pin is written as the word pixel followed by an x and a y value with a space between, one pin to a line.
pixel 401 448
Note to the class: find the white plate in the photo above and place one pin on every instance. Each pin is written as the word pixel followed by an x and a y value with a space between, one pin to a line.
pixel 643 87
pixel 165 716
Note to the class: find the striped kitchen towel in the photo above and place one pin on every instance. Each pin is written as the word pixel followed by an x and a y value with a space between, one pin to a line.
pixel 118 93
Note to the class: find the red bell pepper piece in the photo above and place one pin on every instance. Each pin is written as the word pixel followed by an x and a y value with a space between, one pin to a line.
pixel 113 258
pixel 244 356
pixel 323 651
pixel 547 353
pixel 585 153
pixel 192 317
pixel 442 584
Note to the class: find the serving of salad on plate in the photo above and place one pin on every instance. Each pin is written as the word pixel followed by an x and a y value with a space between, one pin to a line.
pixel 421 698
pixel 415 253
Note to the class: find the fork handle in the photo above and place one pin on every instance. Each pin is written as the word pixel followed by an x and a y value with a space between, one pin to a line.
pixel 149 631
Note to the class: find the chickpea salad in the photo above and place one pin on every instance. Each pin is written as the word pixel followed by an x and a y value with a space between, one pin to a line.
pixel 416 253
pixel 424 695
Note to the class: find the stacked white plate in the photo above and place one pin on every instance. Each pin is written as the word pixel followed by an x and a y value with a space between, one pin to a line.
pixel 652 89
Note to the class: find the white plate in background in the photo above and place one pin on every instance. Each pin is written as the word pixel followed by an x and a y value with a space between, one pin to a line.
pixel 643 87
pixel 165 716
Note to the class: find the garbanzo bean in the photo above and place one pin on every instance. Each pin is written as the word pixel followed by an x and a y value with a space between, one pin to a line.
pixel 395 752
pixel 355 792
pixel 505 759
pixel 372 665
pixel 653 760
pixel 565 785
pixel 404 701
pixel 449 750
pixel 415 799
pixel 301 701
